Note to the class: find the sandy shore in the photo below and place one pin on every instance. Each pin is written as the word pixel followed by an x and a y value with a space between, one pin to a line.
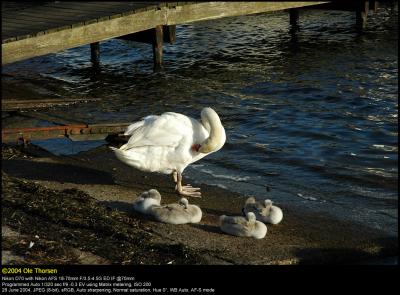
pixel 77 210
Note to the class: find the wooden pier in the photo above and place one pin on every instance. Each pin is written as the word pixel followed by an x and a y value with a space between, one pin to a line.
pixel 42 28
pixel 36 28
pixel 31 29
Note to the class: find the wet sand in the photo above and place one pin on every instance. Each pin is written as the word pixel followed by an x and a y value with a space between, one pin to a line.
pixel 78 210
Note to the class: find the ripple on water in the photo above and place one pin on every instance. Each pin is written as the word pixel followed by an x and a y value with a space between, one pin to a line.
pixel 313 113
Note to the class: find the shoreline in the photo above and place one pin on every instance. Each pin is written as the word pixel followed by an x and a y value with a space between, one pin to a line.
pixel 104 188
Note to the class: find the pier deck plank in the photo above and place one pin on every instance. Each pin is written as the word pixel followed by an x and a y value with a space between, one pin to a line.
pixel 35 29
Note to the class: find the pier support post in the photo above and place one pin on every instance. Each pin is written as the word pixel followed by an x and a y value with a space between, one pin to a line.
pixel 95 52
pixel 158 48
pixel 169 34
pixel 156 37
pixel 373 5
pixel 392 5
pixel 294 19
pixel 361 14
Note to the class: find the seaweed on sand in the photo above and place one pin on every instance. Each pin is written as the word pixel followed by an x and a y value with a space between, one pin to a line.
pixel 61 221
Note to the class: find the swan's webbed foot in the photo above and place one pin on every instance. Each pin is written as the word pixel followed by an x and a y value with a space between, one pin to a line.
pixel 189 191
pixel 185 190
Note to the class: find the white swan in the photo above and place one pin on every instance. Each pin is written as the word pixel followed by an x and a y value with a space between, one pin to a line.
pixel 243 226
pixel 264 211
pixel 180 213
pixel 170 142
pixel 146 200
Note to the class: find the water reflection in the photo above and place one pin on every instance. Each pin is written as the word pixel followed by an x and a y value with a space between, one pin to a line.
pixel 311 113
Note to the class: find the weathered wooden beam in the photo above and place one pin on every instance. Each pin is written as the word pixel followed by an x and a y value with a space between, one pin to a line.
pixel 104 28
pixel 77 36
pixel 95 52
pixel 362 14
pixel 213 10
pixel 52 118
pixel 74 132
pixel 158 48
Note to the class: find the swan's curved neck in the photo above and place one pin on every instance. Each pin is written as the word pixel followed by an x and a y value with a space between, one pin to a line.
pixel 213 125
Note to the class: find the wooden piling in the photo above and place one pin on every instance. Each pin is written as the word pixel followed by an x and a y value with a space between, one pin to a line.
pixel 294 19
pixel 373 5
pixel 169 34
pixel 95 52
pixel 361 14
pixel 156 37
pixel 158 48
pixel 147 36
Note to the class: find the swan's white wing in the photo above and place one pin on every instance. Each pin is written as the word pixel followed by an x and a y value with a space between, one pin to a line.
pixel 169 129
pixel 146 120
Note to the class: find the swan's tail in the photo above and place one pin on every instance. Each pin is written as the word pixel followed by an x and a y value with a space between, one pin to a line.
pixel 120 154
pixel 131 158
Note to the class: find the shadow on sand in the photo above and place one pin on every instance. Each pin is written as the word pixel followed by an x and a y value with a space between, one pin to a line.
pixel 55 172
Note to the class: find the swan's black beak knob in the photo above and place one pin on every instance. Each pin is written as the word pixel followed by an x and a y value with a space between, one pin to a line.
pixel 195 147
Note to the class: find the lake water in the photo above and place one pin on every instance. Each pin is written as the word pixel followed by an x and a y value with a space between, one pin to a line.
pixel 311 118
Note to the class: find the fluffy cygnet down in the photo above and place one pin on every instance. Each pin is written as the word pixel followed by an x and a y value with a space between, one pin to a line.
pixel 149 203
pixel 264 210
pixel 243 226
pixel 177 213
pixel 146 200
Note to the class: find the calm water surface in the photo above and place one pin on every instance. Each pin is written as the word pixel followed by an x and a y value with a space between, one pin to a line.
pixel 312 117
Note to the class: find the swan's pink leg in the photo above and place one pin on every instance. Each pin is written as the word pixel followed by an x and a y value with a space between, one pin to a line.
pixel 186 190
pixel 175 176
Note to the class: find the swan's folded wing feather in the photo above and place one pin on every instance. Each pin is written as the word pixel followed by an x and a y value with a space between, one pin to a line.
pixel 130 130
pixel 166 130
